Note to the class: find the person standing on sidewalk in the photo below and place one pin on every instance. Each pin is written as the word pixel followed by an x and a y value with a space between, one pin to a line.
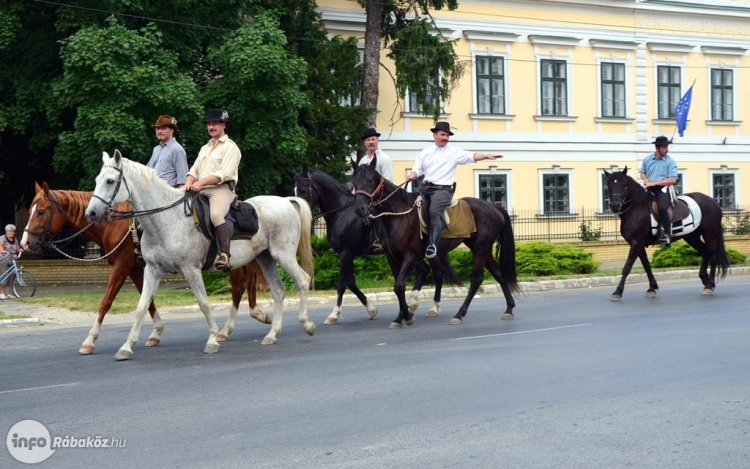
pixel 9 249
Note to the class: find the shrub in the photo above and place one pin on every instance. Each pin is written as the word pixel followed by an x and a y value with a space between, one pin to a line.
pixel 588 233
pixel 538 258
pixel 681 254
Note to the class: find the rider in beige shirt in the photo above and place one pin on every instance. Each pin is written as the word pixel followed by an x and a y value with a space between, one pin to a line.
pixel 214 174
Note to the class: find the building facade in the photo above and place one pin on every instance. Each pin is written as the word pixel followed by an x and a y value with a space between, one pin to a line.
pixel 568 89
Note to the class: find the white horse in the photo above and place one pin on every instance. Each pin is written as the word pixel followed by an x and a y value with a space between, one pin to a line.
pixel 171 242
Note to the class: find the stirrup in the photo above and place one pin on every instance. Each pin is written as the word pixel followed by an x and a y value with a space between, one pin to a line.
pixel 664 239
pixel 222 262
pixel 430 252
pixel 376 247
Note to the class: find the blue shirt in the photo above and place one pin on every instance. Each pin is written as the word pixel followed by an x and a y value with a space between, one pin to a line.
pixel 170 162
pixel 658 169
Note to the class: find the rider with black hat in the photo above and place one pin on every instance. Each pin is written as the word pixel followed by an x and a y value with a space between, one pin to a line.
pixel 214 174
pixel 659 175
pixel 371 141
pixel 437 163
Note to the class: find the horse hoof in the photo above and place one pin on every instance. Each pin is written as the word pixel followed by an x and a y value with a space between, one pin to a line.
pixel 507 317
pixel 220 338
pixel 456 322
pixel 268 341
pixel 707 291
pixel 411 320
pixel 650 294
pixel 123 355
pixel 615 298
pixel 153 342
pixel 261 317
pixel 372 313
pixel 330 321
pixel 395 325
pixel 86 350
pixel 309 327
pixel 211 348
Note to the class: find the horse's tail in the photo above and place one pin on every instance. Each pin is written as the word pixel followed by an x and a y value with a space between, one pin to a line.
pixel 304 248
pixel 722 260
pixel 506 253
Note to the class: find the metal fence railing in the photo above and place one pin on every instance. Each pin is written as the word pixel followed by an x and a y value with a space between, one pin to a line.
pixel 582 225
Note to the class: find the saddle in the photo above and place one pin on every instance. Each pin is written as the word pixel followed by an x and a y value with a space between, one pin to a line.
pixel 241 221
pixel 686 215
pixel 458 216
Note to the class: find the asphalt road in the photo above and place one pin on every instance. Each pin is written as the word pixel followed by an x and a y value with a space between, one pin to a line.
pixel 575 381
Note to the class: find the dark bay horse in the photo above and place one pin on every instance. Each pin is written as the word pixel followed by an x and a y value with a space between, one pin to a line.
pixel 51 210
pixel 348 236
pixel 392 212
pixel 632 203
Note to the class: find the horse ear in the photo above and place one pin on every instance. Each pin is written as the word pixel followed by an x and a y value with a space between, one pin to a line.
pixel 374 162
pixel 37 187
pixel 606 173
pixel 117 156
pixel 353 163
pixel 625 171
pixel 45 188
pixel 105 157
pixel 304 171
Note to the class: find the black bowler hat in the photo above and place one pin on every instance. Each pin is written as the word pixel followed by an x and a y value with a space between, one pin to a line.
pixel 371 132
pixel 442 126
pixel 662 140
pixel 217 115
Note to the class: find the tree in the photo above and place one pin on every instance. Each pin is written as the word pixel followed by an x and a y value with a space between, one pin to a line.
pixel 426 63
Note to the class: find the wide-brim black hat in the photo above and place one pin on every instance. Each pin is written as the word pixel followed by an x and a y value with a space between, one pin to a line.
pixel 442 126
pixel 217 115
pixel 661 140
pixel 371 132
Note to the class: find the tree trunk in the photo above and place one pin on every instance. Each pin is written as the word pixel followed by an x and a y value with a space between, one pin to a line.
pixel 373 39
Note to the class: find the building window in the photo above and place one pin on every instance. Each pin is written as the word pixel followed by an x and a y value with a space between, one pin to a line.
pixel 554 88
pixel 678 188
pixel 669 88
pixel 613 89
pixel 556 193
pixel 494 188
pixel 355 99
pixel 490 85
pixel 724 190
pixel 722 91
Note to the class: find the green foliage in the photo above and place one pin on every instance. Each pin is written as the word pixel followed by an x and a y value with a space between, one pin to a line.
pixel 217 283
pixel 373 269
pixel 588 233
pixel 538 258
pixel 681 254
pixel 742 224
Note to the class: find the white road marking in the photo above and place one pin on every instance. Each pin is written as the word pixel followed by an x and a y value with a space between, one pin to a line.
pixel 40 387
pixel 522 332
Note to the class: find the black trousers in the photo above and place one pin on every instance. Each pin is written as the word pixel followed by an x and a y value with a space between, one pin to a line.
pixel 439 199
pixel 663 201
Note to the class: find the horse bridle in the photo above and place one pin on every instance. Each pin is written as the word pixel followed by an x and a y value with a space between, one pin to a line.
pixel 119 215
pixel 46 233
pixel 379 190
pixel 623 199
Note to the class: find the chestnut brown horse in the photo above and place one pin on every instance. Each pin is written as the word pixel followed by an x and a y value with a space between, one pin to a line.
pixel 51 210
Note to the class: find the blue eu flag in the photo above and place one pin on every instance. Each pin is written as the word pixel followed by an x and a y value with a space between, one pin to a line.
pixel 682 109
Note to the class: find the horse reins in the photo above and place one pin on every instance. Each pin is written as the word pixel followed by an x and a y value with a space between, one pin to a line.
pixel 308 199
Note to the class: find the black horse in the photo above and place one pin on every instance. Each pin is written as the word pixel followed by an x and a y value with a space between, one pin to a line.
pixel 348 236
pixel 392 212
pixel 695 215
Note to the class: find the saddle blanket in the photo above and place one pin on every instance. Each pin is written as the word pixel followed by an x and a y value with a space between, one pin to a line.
pixel 458 216
pixel 686 217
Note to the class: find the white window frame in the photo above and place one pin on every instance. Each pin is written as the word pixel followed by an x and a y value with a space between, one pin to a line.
pixel 571 187
pixel 496 172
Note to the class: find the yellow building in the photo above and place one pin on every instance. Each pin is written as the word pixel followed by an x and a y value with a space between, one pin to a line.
pixel 567 89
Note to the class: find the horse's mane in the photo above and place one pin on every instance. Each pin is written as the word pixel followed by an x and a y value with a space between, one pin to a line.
pixel 74 203
pixel 329 179
pixel 638 193
pixel 143 172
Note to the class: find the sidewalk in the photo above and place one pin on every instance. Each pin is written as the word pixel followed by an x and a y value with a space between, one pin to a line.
pixel 37 315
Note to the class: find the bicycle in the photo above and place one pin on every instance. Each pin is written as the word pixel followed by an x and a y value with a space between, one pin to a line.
pixel 23 283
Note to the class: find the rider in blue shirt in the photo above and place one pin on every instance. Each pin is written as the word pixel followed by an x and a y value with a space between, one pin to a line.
pixel 659 173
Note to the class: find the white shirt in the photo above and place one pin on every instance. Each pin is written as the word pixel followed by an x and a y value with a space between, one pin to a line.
pixel 384 165
pixel 438 164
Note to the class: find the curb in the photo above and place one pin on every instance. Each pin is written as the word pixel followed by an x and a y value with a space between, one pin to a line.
pixel 19 322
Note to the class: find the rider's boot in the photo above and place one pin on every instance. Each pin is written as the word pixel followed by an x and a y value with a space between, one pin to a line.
pixel 431 250
pixel 222 239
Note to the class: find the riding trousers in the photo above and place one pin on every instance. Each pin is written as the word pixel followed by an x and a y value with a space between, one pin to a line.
pixel 220 198
pixel 439 198
pixel 663 201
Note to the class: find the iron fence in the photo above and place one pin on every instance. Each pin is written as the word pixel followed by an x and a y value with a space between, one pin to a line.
pixel 582 225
